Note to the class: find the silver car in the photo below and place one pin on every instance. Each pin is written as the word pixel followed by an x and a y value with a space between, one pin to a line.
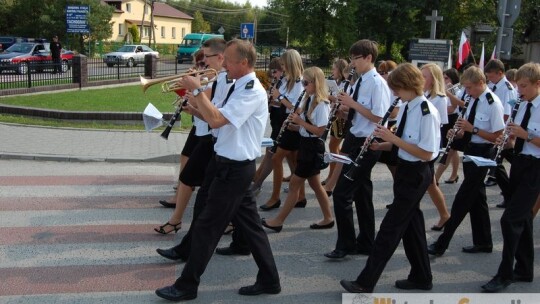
pixel 129 55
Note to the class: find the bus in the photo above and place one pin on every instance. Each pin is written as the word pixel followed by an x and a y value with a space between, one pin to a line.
pixel 191 44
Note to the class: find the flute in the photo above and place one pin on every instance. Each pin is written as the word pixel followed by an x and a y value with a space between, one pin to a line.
pixel 506 133
pixel 286 123
pixel 335 108
pixel 369 140
pixel 455 129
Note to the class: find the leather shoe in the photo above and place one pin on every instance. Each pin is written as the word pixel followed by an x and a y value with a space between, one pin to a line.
pixel 338 254
pixel 274 206
pixel 257 289
pixel 502 205
pixel 170 254
pixel 477 249
pixel 325 226
pixel 434 250
pixel 522 278
pixel 301 204
pixel 166 204
pixel 496 284
pixel 490 182
pixel 231 251
pixel 274 228
pixel 353 287
pixel 407 285
pixel 171 293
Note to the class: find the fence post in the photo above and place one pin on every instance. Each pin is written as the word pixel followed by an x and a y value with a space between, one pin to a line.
pixel 80 70
pixel 150 66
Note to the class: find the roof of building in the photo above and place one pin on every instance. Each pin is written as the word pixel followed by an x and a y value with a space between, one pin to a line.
pixel 165 10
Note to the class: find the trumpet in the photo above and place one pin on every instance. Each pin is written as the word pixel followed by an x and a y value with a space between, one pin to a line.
pixel 170 83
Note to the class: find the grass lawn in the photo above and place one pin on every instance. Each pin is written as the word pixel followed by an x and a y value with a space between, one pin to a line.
pixel 116 99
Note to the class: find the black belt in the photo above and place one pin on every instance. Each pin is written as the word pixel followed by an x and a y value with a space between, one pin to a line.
pixel 528 157
pixel 224 160
pixel 401 161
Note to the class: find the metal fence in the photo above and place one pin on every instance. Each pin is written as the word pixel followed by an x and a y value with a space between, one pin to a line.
pixel 94 71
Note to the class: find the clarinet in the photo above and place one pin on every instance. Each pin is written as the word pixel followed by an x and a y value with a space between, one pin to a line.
pixel 286 123
pixel 506 134
pixel 455 129
pixel 352 171
pixel 165 133
pixel 335 108
pixel 274 85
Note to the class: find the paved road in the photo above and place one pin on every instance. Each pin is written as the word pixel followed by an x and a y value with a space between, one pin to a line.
pixel 81 232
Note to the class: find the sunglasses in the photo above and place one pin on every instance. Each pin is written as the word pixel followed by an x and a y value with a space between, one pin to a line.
pixel 208 56
pixel 306 82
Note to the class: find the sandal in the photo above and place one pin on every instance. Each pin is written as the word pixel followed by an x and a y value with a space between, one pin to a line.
pixel 161 229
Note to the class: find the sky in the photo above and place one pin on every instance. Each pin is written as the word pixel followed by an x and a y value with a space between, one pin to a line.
pixel 259 3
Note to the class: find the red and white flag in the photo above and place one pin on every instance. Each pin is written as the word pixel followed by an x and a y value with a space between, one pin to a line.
pixel 464 50
pixel 481 62
pixel 493 54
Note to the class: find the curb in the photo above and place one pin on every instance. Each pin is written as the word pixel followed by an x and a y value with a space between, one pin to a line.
pixel 172 158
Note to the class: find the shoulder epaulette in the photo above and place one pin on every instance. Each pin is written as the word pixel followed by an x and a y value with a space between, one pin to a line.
pixel 250 84
pixel 489 98
pixel 298 80
pixel 425 107
pixel 509 85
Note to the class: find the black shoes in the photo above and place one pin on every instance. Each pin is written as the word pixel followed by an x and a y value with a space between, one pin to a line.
pixel 338 254
pixel 477 249
pixel 439 228
pixel 452 181
pixel 274 206
pixel 166 204
pixel 434 250
pixel 171 293
pixel 496 284
pixel 274 228
pixel 491 181
pixel 353 287
pixel 325 226
pixel 522 278
pixel 231 251
pixel 257 289
pixel 502 205
pixel 301 204
pixel 170 254
pixel 408 285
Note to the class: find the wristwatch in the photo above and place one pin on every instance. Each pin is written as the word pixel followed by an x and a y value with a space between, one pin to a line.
pixel 197 91
pixel 475 130
pixel 280 98
pixel 529 137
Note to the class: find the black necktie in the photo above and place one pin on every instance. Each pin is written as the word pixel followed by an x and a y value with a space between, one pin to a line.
pixel 494 88
pixel 518 147
pixel 350 116
pixel 399 132
pixel 468 135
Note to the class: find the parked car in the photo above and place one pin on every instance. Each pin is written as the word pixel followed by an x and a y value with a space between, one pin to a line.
pixel 277 52
pixel 129 55
pixel 6 42
pixel 20 57
pixel 192 43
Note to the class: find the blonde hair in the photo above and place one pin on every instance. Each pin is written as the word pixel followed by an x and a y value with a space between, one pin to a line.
pixel 473 75
pixel 530 71
pixel 438 87
pixel 342 66
pixel 316 76
pixel 292 62
pixel 407 77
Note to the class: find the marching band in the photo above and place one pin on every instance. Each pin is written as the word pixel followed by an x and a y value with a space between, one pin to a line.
pixel 230 117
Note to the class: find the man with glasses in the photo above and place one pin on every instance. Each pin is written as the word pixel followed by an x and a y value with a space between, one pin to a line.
pixel 367 102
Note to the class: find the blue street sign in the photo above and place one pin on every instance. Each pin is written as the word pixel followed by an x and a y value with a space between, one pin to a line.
pixel 76 18
pixel 247 30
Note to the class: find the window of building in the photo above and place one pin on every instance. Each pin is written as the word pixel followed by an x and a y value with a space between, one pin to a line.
pixel 120 29
pixel 162 32
pixel 173 33
pixel 146 9
pixel 183 32
pixel 128 7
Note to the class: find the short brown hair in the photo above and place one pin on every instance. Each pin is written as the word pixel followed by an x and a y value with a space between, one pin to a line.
pixel 407 77
pixel 216 45
pixel 493 66
pixel 365 47
pixel 473 75
pixel 244 50
pixel 530 71
pixel 386 66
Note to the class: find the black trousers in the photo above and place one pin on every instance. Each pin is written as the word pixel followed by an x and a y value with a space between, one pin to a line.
pixel 224 190
pixel 359 190
pixel 471 198
pixel 404 220
pixel 517 222
pixel 501 176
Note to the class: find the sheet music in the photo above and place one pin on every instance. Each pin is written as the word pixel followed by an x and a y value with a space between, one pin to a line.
pixel 332 87
pixel 267 142
pixel 480 161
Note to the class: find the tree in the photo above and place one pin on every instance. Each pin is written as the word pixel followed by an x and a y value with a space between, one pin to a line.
pixel 198 25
